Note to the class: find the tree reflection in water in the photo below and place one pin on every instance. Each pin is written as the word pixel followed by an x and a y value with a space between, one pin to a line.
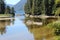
pixel 41 32
pixel 3 24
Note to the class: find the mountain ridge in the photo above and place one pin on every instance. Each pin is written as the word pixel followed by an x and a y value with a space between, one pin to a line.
pixel 20 6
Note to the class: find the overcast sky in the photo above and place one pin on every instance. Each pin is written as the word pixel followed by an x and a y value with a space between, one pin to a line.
pixel 13 2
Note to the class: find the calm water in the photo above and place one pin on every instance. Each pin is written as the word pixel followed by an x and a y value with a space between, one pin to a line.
pixel 18 29
pixel 14 30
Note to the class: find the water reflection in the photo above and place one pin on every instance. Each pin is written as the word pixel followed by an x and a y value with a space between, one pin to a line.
pixel 17 31
pixel 3 24
pixel 40 32
pixel 40 21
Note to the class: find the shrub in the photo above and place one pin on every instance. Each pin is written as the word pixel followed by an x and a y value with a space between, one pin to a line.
pixel 56 26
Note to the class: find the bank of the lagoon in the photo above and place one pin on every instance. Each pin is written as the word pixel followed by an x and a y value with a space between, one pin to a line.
pixel 41 16
pixel 6 15
pixel 44 28
pixel 18 28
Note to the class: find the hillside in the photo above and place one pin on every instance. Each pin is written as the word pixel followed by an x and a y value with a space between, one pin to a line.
pixel 19 6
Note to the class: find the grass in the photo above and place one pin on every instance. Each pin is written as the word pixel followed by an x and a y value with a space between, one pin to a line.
pixel 57 1
pixel 56 37
pixel 5 15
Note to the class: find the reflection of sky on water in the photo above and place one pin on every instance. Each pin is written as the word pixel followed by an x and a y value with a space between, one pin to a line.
pixel 18 31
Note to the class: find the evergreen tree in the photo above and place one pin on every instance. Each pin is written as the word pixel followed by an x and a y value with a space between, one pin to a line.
pixel 12 11
pixel 2 7
pixel 28 6
pixel 33 7
pixel 49 4
pixel 37 7
pixel 8 10
pixel 57 8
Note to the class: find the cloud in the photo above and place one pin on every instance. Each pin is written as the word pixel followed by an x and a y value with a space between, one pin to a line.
pixel 13 2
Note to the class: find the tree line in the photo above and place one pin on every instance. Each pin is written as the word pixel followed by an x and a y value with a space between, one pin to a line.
pixel 5 9
pixel 46 7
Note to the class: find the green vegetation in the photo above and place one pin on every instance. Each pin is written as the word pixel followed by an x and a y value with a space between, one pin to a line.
pixel 6 15
pixel 4 10
pixel 46 7
pixel 56 26
pixel 51 29
pixel 2 7
pixel 57 38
